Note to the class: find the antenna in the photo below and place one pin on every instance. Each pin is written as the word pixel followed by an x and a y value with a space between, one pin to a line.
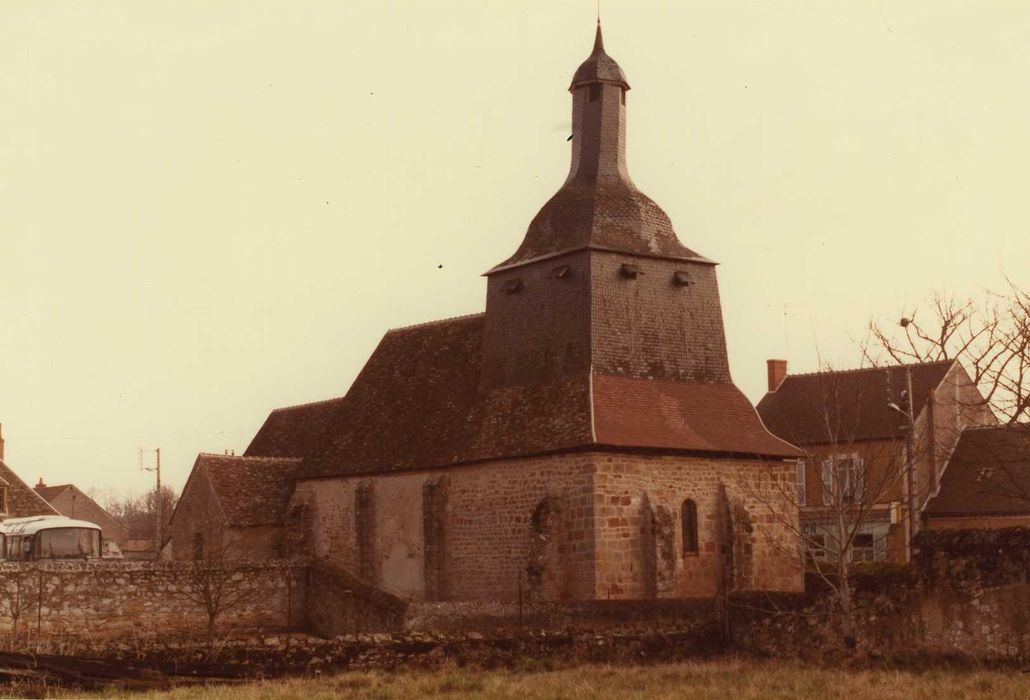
pixel 786 332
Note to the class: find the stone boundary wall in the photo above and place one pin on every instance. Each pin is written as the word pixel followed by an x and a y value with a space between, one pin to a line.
pixel 967 593
pixel 135 600
pixel 575 616
pixel 337 602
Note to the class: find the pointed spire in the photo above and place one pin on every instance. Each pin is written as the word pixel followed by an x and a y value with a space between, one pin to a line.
pixel 598 39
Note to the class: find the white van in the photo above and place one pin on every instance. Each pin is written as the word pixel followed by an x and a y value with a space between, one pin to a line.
pixel 49 537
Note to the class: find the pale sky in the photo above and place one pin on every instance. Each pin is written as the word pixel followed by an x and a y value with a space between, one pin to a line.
pixel 212 209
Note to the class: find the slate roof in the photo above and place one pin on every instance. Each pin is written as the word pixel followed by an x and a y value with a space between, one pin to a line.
pixel 849 405
pixel 988 474
pixel 601 216
pixel 252 491
pixel 22 501
pixel 417 404
pixel 599 66
pixel 293 431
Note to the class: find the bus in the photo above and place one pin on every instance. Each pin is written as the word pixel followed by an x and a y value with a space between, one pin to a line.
pixel 49 537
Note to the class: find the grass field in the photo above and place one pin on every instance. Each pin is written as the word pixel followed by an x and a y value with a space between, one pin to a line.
pixel 710 680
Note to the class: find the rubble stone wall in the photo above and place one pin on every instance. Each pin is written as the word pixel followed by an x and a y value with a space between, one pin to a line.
pixel 967 593
pixel 131 600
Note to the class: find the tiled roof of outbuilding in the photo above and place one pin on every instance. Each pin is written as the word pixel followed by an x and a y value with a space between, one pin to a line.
pixel 293 431
pixel 988 474
pixel 844 406
pixel 251 490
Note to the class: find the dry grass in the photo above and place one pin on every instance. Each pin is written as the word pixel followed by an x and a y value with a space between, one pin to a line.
pixel 707 680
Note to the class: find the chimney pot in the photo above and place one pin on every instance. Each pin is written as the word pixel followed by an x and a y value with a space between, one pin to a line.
pixel 777 372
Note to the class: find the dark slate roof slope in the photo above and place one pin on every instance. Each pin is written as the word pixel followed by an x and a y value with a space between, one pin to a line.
pixel 22 501
pixel 600 216
pixel 599 66
pixel 417 404
pixel 251 490
pixel 294 431
pixel 845 406
pixel 988 474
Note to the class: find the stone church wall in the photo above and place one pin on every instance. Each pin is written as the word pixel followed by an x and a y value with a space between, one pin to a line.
pixel 485 540
pixel 739 540
pixel 564 527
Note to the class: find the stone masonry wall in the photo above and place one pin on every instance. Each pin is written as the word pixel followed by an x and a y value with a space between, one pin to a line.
pixel 967 593
pixel 136 599
pixel 565 527
pixel 738 535
pixel 487 530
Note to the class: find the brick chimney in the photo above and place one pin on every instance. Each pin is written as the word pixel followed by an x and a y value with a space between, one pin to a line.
pixel 777 373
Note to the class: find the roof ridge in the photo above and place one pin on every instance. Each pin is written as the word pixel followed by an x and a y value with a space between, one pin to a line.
pixel 857 370
pixel 253 457
pixel 436 322
pixel 303 405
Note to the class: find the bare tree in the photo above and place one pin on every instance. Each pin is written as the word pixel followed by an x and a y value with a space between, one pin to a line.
pixel 990 336
pixel 856 513
pixel 139 513
pixel 215 580
pixel 19 590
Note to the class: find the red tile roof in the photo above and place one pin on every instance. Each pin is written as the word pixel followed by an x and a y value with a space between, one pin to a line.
pixel 251 490
pixel 843 406
pixel 697 416
pixel 417 404
pixel 22 501
pixel 49 493
pixel 988 474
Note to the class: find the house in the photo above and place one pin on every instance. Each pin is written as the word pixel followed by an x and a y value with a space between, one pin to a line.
pixel 854 428
pixel 233 507
pixel 582 438
pixel 17 499
pixel 986 483
pixel 71 501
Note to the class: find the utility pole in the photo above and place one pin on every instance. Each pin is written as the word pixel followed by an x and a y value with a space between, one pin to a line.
pixel 909 453
pixel 157 497
pixel 910 480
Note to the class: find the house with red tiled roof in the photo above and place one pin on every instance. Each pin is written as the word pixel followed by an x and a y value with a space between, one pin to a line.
pixel 71 501
pixel 855 430
pixel 582 438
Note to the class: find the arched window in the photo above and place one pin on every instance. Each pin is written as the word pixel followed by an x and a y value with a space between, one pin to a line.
pixel 688 521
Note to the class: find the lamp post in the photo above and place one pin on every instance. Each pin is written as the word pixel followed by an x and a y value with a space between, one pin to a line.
pixel 157 493
pixel 910 481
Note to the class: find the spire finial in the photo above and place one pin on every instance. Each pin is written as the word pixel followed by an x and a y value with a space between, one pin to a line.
pixel 598 39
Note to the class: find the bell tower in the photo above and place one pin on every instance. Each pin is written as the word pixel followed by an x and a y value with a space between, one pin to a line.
pixel 601 284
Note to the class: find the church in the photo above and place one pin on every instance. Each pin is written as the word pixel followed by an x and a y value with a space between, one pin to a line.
pixel 580 439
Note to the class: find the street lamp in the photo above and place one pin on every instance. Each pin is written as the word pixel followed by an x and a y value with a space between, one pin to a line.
pixel 910 482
